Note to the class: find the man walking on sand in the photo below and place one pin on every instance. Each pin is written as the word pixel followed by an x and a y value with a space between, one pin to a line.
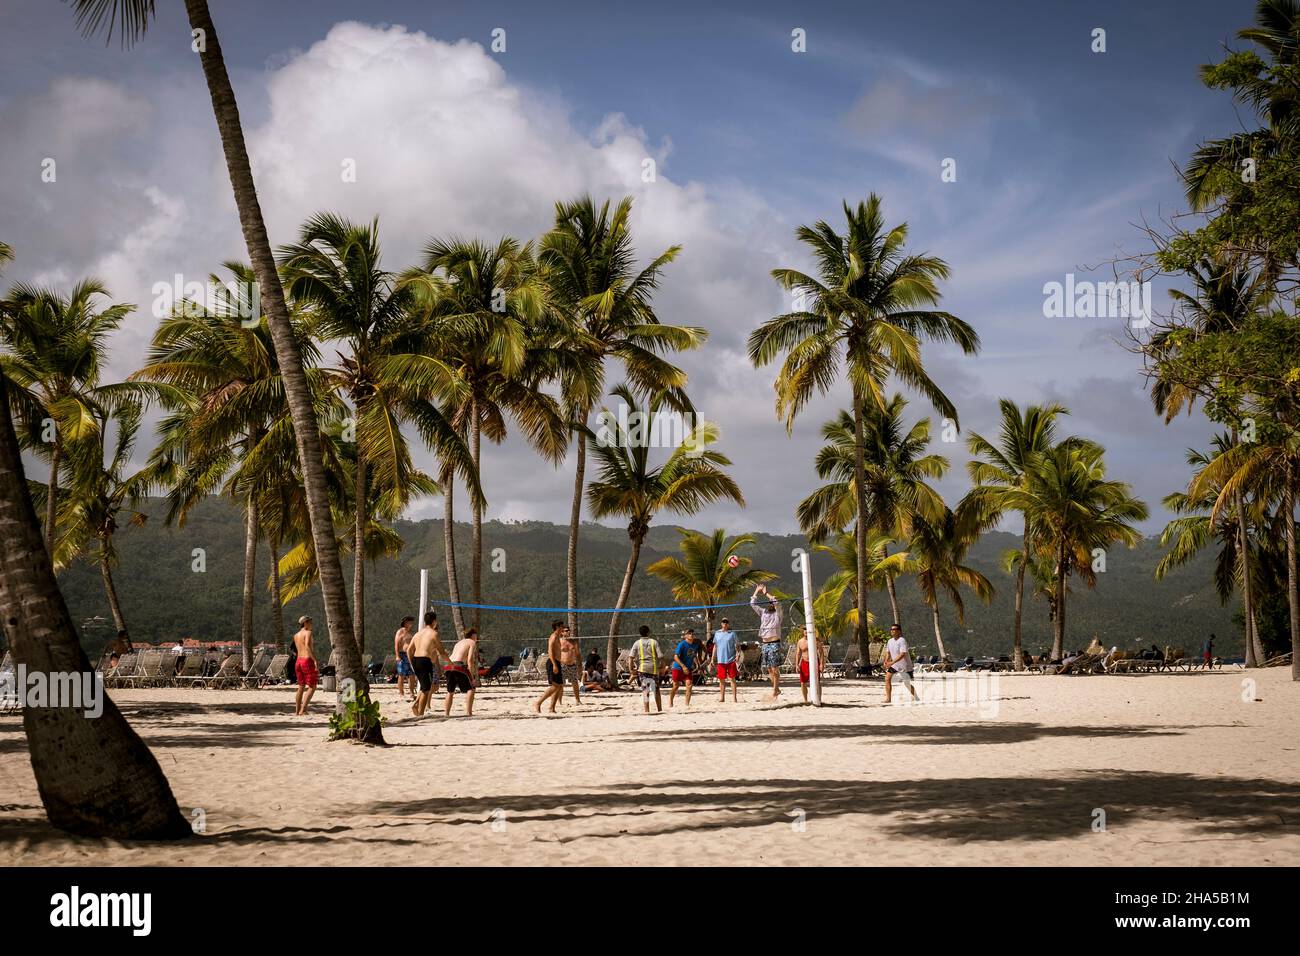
pixel 570 666
pixel 401 649
pixel 897 662
pixel 462 672
pixel 724 656
pixel 554 672
pixel 769 636
pixel 304 669
pixel 426 651
pixel 643 658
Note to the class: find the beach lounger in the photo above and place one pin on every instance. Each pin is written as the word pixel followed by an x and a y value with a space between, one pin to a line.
pixel 229 674
pixel 191 670
pixel 498 673
pixel 388 673
pixel 277 671
pixel 257 669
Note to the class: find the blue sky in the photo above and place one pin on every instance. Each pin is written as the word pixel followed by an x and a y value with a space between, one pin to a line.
pixel 1058 151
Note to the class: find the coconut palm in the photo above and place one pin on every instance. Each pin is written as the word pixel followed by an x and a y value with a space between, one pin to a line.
pixel 95 777
pixel 53 346
pixel 130 19
pixel 937 552
pixel 333 271
pixel 103 494
pixel 486 305
pixel 1074 508
pixel 704 575
pixel 606 305
pixel 880 565
pixel 867 310
pixel 895 470
pixel 630 486
pixel 1000 467
pixel 1197 528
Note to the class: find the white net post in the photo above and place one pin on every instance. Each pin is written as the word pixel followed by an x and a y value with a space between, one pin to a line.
pixel 814 678
pixel 424 598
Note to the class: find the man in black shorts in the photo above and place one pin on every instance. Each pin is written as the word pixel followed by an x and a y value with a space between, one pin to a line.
pixel 554 672
pixel 462 672
pixel 426 648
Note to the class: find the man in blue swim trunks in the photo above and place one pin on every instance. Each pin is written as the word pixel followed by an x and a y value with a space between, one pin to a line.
pixel 401 648
pixel 684 665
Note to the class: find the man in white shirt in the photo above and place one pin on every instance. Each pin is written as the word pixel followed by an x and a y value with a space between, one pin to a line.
pixel 897 662
pixel 769 636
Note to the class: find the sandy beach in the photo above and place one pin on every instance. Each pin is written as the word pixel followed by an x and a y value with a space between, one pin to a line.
pixel 1188 769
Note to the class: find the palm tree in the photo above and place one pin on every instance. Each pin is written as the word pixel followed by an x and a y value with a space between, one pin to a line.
pixel 589 264
pixel 703 574
pixel 103 493
pixel 1074 508
pixel 1197 527
pixel 54 344
pixel 938 551
pixel 1000 468
pixel 227 398
pixel 880 565
pixel 131 18
pixel 333 271
pixel 95 777
pixel 866 309
pixel 486 305
pixel 895 470
pixel 1270 468
pixel 629 486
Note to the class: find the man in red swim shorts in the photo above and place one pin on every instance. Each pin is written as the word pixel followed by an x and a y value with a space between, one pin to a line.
pixel 305 670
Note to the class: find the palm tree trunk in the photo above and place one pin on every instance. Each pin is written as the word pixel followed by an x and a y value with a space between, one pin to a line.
pixel 277 603
pixel 1253 657
pixel 611 649
pixel 114 605
pixel 575 522
pixel 297 393
pixel 52 497
pixel 860 529
pixel 449 551
pixel 1292 589
pixel 938 634
pixel 1058 632
pixel 95 777
pixel 359 554
pixel 1017 652
pixel 475 436
pixel 893 598
pixel 250 581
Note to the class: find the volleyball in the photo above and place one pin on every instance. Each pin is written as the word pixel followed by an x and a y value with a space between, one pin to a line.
pixel 733 561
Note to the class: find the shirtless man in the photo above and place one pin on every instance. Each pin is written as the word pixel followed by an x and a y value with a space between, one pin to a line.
pixel 803 662
pixel 426 650
pixel 462 672
pixel 554 675
pixel 305 668
pixel 401 645
pixel 570 666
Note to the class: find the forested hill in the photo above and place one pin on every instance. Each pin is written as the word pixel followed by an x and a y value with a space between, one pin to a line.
pixel 163 598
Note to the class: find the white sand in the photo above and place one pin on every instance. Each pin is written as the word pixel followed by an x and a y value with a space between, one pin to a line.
pixel 1185 770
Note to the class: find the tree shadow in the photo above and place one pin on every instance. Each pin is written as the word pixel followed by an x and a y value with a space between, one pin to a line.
pixel 972 733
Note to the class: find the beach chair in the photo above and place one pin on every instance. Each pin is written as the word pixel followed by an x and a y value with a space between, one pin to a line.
pixel 498 673
pixel 277 671
pixel 527 671
pixel 1083 664
pixel 388 673
pixel 845 664
pixel 257 668
pixel 122 673
pixel 191 670
pixel 10 701
pixel 790 665
pixel 229 674
pixel 151 670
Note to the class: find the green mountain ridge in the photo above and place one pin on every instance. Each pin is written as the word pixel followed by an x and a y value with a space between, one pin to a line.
pixel 164 599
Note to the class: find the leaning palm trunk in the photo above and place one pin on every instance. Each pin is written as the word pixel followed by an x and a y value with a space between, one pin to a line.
pixel 938 634
pixel 96 777
pixel 52 496
pixel 110 589
pixel 359 555
pixel 893 598
pixel 1018 652
pixel 250 581
pixel 860 529
pixel 477 533
pixel 1292 590
pixel 277 602
pixel 289 358
pixel 449 550
pixel 575 522
pixel 611 650
pixel 1253 656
